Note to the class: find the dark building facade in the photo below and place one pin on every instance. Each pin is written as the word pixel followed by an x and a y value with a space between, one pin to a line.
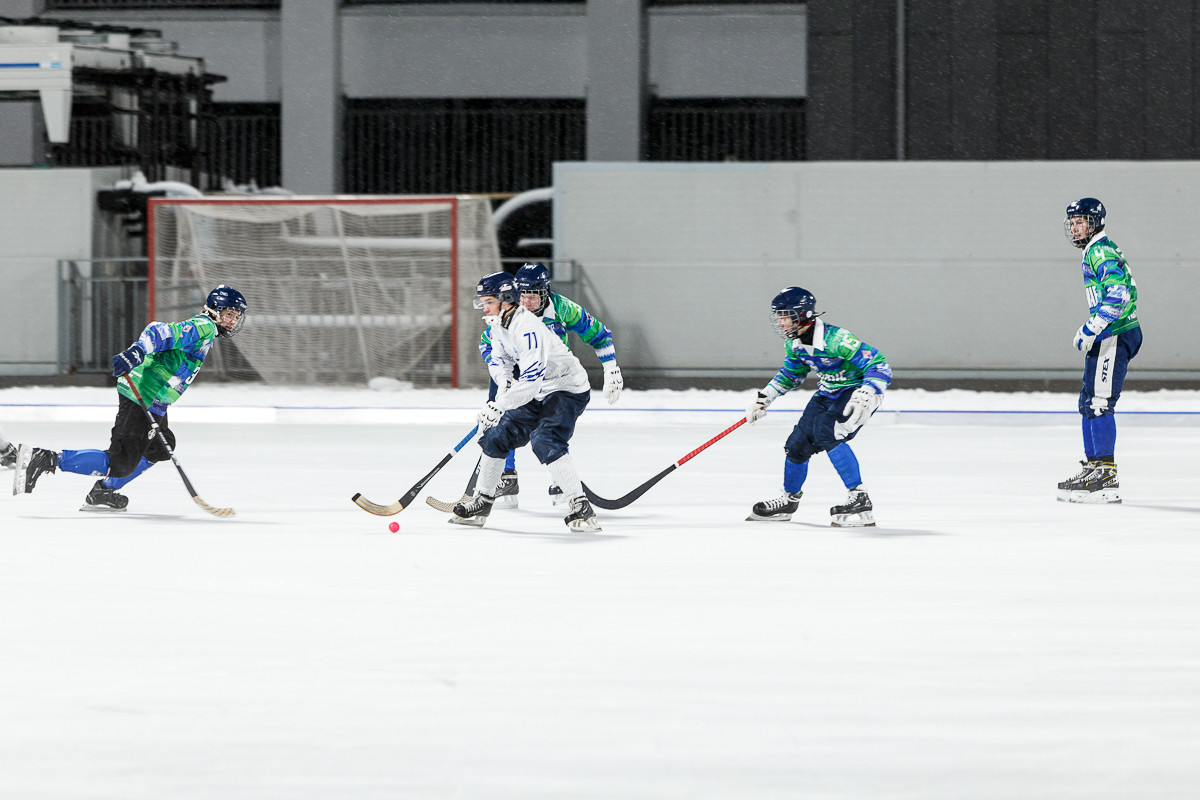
pixel 1003 79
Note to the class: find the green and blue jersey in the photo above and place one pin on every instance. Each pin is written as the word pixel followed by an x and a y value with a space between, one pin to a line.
pixel 840 358
pixel 175 351
pixel 1109 286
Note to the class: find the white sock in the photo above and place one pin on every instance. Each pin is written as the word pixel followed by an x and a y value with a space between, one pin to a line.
pixel 565 477
pixel 489 475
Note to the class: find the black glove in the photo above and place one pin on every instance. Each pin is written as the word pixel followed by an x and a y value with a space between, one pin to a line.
pixel 127 359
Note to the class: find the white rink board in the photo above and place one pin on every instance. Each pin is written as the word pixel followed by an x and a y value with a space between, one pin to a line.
pixel 984 641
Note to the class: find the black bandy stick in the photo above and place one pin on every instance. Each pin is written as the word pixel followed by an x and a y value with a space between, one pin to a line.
pixel 621 502
pixel 216 512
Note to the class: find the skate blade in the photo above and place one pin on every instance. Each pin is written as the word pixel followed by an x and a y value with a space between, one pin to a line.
pixel 774 518
pixel 505 501
pixel 101 509
pixel 24 452
pixel 584 526
pixel 863 520
pixel 470 522
pixel 1102 497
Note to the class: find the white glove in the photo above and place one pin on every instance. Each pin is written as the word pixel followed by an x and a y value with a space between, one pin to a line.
pixel 862 404
pixel 758 409
pixel 1085 336
pixel 489 416
pixel 613 384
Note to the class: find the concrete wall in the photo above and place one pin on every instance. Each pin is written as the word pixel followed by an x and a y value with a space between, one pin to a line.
pixel 953 270
pixel 45 215
pixel 412 51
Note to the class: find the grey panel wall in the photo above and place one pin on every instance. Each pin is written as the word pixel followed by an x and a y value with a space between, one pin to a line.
pixel 45 215
pixel 952 269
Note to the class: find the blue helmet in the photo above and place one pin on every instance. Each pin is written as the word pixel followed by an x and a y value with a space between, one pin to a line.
pixel 221 298
pixel 793 303
pixel 534 279
pixel 1092 211
pixel 499 285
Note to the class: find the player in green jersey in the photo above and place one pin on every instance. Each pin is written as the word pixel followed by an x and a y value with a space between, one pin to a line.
pixel 853 376
pixel 162 363
pixel 1110 338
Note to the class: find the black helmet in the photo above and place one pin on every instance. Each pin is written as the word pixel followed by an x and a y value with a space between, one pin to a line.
pixel 793 303
pixel 1091 210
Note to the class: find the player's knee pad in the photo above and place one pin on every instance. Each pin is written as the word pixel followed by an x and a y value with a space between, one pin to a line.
pixel 1092 407
pixel 547 448
pixel 801 452
pixel 494 443
pixel 155 452
pixel 123 459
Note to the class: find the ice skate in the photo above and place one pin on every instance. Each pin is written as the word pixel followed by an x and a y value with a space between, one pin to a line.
pixel 778 510
pixel 854 513
pixel 557 498
pixel 506 492
pixel 32 463
pixel 1096 483
pixel 582 517
pixel 1076 482
pixel 8 456
pixel 473 512
pixel 104 500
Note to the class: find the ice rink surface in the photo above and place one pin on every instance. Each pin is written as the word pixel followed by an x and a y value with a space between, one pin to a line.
pixel 983 642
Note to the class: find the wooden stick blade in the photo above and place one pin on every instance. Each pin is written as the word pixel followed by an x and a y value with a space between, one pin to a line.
pixel 216 512
pixel 443 506
pixel 374 508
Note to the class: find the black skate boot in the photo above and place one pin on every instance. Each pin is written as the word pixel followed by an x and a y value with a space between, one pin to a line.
pixel 103 499
pixel 1076 482
pixel 582 517
pixel 778 510
pixel 506 492
pixel 855 513
pixel 32 463
pixel 8 456
pixel 556 496
pixel 1097 483
pixel 473 512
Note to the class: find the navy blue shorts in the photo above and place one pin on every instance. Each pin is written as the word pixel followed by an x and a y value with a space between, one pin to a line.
pixel 820 427
pixel 1104 371
pixel 546 424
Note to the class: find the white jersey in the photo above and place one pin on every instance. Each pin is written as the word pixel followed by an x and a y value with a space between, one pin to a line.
pixel 544 364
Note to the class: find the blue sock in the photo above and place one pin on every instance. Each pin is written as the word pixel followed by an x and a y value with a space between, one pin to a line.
pixel 846 464
pixel 510 461
pixel 84 462
pixel 794 475
pixel 1100 436
pixel 117 483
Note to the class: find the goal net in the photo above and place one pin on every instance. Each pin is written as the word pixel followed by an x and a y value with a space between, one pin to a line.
pixel 341 290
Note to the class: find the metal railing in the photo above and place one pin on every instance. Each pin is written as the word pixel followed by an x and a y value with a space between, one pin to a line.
pixel 745 129
pixel 436 146
pixel 102 309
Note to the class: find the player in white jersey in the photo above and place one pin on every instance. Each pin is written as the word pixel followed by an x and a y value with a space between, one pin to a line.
pixel 540 407
pixel 8 453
